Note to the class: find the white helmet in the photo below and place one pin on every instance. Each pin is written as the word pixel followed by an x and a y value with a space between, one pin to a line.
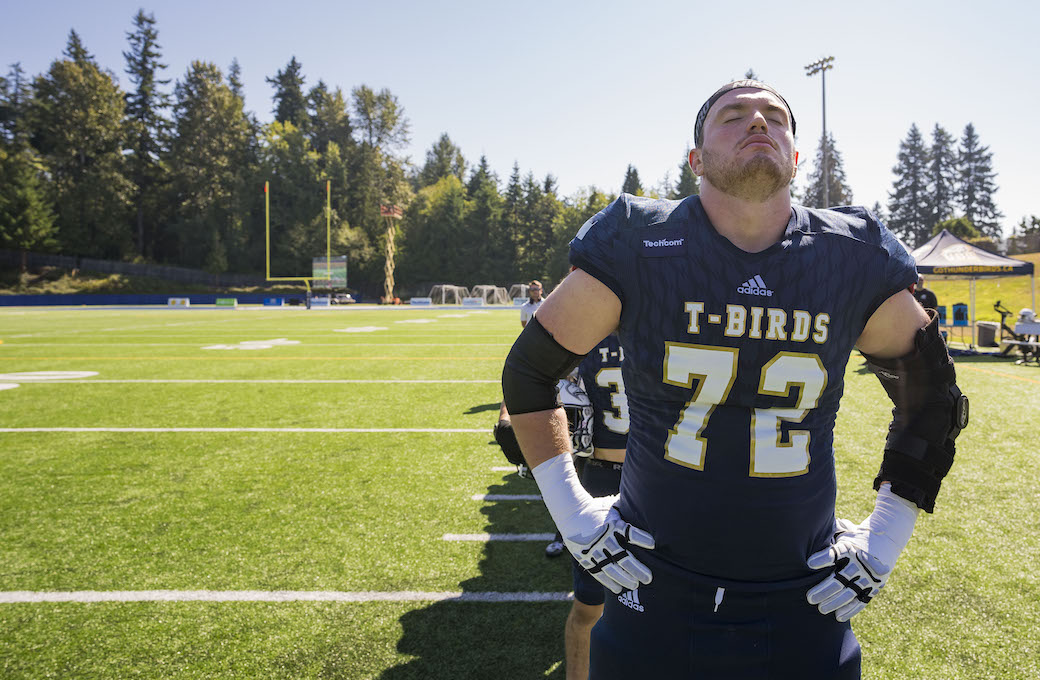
pixel 1027 315
pixel 579 415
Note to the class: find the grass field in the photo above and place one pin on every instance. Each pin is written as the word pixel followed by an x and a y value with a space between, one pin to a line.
pixel 314 479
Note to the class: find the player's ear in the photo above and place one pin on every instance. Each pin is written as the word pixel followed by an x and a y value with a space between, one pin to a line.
pixel 795 172
pixel 696 164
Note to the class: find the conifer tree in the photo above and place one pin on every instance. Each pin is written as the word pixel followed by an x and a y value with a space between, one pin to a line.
pixel 942 175
pixel 329 119
pixel 879 211
pixel 149 128
pixel 26 218
pixel 838 190
pixel 976 184
pixel 77 122
pixel 483 223
pixel 481 176
pixel 909 204
pixel 530 238
pixel 76 51
pixel 15 96
pixel 1028 225
pixel 512 200
pixel 290 106
pixel 442 159
pixel 209 160
pixel 687 184
pixel 631 184
pixel 234 79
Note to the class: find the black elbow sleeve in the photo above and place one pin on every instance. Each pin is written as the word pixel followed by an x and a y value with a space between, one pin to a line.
pixel 534 365
pixel 930 411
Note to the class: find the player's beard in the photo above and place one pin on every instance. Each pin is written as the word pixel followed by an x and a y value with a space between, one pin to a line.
pixel 756 180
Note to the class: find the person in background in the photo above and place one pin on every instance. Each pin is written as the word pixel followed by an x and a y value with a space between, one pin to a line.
pixel 534 301
pixel 924 296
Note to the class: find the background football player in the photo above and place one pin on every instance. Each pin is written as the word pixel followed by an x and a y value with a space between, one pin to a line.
pixel 600 374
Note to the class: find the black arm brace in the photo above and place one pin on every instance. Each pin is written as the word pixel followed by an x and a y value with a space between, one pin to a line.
pixel 930 411
pixel 534 365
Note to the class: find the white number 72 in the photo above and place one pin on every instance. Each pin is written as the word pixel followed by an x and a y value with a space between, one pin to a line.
pixel 715 370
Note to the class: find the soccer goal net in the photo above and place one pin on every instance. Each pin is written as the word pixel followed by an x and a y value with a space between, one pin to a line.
pixel 518 290
pixel 448 294
pixel 492 295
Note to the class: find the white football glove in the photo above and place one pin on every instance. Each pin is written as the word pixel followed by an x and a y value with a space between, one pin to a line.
pixel 592 528
pixel 604 555
pixel 862 556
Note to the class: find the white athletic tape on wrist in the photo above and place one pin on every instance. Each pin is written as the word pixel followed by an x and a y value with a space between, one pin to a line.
pixel 563 494
pixel 890 526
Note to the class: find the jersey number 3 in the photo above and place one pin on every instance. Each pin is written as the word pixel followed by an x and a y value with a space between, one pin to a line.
pixel 715 370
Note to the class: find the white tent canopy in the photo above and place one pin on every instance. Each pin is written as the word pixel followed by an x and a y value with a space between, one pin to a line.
pixel 947 256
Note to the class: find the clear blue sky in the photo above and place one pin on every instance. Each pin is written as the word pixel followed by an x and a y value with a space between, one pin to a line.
pixel 582 89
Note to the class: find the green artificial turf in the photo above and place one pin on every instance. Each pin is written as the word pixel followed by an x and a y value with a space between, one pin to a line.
pixel 359 511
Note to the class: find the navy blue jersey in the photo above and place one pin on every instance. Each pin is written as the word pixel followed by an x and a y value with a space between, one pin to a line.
pixel 734 367
pixel 600 373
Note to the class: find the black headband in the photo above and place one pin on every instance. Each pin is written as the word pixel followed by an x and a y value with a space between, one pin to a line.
pixel 702 115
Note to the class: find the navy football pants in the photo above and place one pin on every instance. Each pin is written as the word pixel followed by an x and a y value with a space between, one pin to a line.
pixel 671 629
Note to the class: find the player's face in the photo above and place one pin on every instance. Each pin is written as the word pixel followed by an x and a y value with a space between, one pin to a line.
pixel 536 292
pixel 748 149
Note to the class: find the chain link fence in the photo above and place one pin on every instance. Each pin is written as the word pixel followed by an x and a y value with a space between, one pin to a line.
pixel 14 258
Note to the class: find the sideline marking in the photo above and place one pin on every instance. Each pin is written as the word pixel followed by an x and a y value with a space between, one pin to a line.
pixel 87 596
pixel 483 538
pixel 331 430
pixel 8 386
pixel 506 497
pixel 511 468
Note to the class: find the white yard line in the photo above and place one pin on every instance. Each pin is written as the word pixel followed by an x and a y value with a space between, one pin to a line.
pixel 290 382
pixel 491 497
pixel 345 345
pixel 91 596
pixel 292 430
pixel 484 538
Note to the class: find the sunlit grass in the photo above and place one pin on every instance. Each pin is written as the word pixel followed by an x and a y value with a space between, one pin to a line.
pixel 352 511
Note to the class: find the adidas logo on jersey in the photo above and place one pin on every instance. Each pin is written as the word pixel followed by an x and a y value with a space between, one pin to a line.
pixel 755 286
pixel 630 598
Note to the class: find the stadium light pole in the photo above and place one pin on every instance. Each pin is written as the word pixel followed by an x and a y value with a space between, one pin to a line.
pixel 822 66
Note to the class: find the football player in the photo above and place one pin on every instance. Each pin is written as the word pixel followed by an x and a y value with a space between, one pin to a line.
pixel 737 312
pixel 600 374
